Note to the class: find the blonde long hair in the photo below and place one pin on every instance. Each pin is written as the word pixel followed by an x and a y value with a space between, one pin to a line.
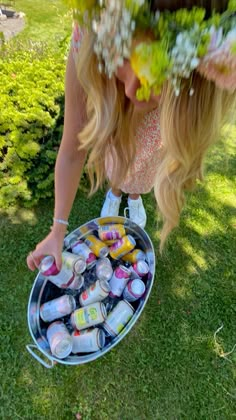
pixel 189 126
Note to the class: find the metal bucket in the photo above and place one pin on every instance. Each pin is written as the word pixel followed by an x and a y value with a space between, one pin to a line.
pixel 37 296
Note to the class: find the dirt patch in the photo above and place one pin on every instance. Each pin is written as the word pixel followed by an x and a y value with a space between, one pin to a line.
pixel 12 26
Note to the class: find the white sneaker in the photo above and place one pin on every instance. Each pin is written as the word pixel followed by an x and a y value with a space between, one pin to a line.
pixel 137 212
pixel 111 205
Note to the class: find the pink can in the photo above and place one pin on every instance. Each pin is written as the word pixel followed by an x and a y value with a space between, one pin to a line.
pixel 140 268
pixel 63 279
pixel 134 290
pixel 119 280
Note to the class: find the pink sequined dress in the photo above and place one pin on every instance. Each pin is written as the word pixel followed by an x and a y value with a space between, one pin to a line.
pixel 141 177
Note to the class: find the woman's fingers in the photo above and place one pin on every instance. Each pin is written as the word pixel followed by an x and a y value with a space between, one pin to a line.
pixel 33 260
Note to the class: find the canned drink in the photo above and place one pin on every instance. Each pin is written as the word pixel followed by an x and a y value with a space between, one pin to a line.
pixel 76 263
pixel 77 282
pixel 97 246
pixel 122 247
pixel 140 268
pixel 62 279
pixel 134 290
pixel 104 269
pixel 119 280
pixel 110 232
pixel 118 318
pixel 69 240
pixel 78 247
pixel 57 308
pixel 59 339
pixel 95 293
pixel 88 316
pixel 88 340
pixel 134 256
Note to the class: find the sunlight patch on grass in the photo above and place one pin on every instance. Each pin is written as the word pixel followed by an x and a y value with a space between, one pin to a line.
pixel 199 259
pixel 20 215
pixel 225 191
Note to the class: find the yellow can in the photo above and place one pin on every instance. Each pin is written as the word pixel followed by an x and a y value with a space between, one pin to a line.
pixel 134 256
pixel 122 247
pixel 97 247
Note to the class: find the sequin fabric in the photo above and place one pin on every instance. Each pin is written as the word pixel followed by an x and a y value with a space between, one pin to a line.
pixel 141 177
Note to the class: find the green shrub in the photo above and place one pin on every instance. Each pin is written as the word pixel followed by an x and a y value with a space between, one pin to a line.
pixel 31 119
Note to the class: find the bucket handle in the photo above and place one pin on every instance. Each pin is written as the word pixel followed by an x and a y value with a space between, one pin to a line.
pixel 31 348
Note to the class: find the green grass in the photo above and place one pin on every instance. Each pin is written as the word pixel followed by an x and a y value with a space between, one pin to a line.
pixel 45 20
pixel 170 366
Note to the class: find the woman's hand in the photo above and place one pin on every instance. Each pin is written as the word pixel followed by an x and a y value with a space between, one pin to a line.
pixel 51 245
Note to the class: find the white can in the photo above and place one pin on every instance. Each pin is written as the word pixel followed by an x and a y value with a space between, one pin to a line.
pixel 95 293
pixel 87 341
pixel 78 247
pixel 104 269
pixel 57 308
pixel 76 263
pixel 134 290
pixel 88 316
pixel 118 318
pixel 59 339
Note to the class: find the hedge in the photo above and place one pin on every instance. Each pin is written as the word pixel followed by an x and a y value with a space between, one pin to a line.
pixel 31 120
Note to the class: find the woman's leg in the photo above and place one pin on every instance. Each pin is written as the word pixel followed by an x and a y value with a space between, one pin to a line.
pixel 111 205
pixel 137 211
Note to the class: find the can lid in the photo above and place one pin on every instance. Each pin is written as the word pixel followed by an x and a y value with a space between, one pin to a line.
pixel 101 338
pixel 46 263
pixel 103 310
pixel 142 266
pixel 137 286
pixel 80 265
pixel 72 301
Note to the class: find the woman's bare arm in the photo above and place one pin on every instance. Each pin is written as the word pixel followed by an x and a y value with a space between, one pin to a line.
pixel 68 169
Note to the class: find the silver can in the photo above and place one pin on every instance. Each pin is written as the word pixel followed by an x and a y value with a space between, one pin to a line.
pixel 59 339
pixel 104 269
pixel 87 341
pixel 88 316
pixel 95 293
pixel 77 282
pixel 134 290
pixel 57 308
pixel 119 280
pixel 76 263
pixel 118 318
pixel 78 247
pixel 62 278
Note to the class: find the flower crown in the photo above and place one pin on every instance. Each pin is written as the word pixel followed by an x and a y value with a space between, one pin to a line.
pixel 181 42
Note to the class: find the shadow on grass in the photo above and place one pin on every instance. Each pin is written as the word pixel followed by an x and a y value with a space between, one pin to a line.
pixel 169 365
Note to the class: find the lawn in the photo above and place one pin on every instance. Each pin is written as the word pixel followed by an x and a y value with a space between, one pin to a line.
pixel 173 364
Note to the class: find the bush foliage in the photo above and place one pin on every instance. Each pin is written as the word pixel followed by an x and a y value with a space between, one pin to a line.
pixel 31 119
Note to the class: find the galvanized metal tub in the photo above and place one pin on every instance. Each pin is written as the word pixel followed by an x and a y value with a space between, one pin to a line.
pixel 39 290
